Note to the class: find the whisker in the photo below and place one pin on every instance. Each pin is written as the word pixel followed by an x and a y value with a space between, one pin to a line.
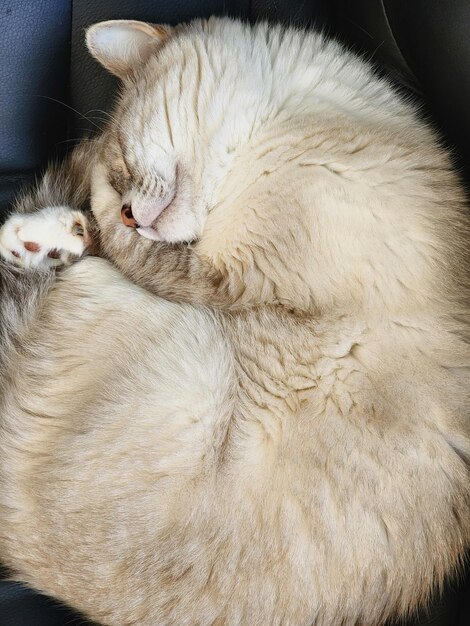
pixel 71 109
pixel 78 140
pixel 112 118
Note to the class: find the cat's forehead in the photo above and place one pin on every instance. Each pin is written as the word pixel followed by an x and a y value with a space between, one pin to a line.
pixel 139 143
pixel 141 130
pixel 152 108
pixel 150 91
pixel 181 95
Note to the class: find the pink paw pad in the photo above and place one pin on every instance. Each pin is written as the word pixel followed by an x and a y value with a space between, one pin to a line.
pixel 45 239
pixel 31 246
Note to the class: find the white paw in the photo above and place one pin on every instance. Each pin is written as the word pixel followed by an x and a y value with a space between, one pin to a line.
pixel 50 237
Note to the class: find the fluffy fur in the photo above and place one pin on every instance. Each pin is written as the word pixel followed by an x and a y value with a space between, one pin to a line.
pixel 259 415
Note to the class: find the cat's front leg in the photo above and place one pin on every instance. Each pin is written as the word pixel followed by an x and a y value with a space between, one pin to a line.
pixel 50 224
pixel 32 245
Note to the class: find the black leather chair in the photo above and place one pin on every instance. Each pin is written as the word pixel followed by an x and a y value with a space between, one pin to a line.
pixel 51 92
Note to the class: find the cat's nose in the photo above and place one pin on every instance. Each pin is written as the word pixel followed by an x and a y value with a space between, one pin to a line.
pixel 127 218
pixel 145 210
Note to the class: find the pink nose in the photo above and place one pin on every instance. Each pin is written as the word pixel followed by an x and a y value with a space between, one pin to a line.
pixel 127 218
pixel 145 212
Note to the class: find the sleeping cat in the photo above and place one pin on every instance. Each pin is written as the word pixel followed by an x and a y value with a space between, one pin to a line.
pixel 254 409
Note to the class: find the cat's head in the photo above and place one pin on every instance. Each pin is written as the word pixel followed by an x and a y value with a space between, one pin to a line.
pixel 176 126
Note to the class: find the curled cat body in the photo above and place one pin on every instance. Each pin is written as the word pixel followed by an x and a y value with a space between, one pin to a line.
pixel 253 409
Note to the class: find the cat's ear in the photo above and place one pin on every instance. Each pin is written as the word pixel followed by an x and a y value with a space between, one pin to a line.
pixel 121 46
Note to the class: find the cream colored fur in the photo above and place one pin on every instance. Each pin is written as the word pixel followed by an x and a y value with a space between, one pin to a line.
pixel 53 227
pixel 292 449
